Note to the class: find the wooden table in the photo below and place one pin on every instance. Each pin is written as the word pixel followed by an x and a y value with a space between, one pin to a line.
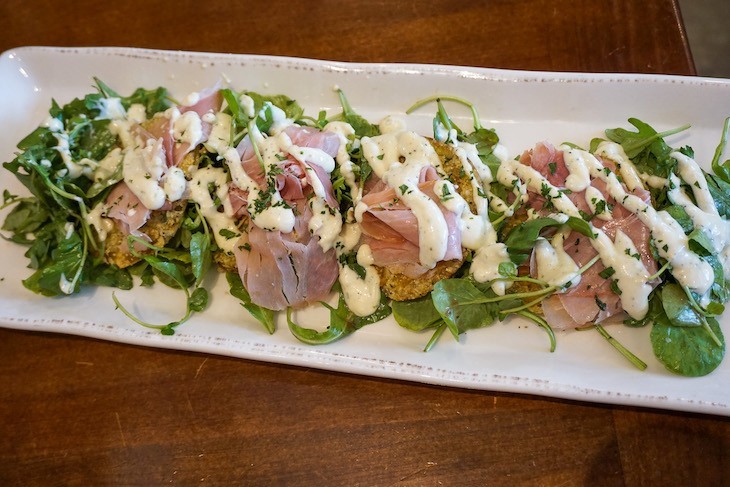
pixel 76 411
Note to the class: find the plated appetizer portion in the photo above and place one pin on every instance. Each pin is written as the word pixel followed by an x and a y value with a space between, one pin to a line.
pixel 446 231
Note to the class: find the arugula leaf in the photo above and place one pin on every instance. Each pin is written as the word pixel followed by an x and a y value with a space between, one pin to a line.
pixel 65 258
pixel 688 351
pixel 700 243
pixel 350 260
pixel 342 322
pixel 198 299
pixel 634 143
pixel 677 307
pixel 722 170
pixel 485 141
pixel 109 275
pixel 521 240
pixel 362 127
pixel 291 108
pixel 507 269
pixel 263 315
pixel 453 299
pixel 720 192
pixel 679 214
pixel 154 101
pixel 646 147
pixel 200 255
pixel 416 315
pixel 27 217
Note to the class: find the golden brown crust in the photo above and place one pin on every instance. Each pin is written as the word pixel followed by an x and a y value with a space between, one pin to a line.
pixel 226 261
pixel 398 286
pixel 161 227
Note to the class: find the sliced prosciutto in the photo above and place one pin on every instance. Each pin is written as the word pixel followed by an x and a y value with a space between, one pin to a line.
pixel 295 179
pixel 593 299
pixel 282 270
pixel 126 209
pixel 160 127
pixel 390 228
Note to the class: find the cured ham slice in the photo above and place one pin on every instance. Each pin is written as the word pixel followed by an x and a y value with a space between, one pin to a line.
pixel 282 270
pixel 390 228
pixel 286 270
pixel 296 177
pixel 126 209
pixel 593 299
pixel 160 126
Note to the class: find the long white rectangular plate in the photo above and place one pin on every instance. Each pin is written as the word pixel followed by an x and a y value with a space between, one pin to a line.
pixel 524 107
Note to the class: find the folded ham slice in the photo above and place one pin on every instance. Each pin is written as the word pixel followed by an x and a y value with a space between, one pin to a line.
pixel 390 228
pixel 126 209
pixel 593 299
pixel 282 270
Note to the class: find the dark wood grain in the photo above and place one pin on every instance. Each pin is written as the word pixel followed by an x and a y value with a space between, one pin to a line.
pixel 77 411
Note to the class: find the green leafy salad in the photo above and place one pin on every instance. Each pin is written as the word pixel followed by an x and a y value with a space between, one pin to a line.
pixel 447 232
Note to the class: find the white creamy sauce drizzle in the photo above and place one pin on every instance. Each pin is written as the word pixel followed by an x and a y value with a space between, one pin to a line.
pixel 326 222
pixel 142 169
pixel 220 133
pixel 96 218
pixel 111 109
pixel 66 286
pixel 554 265
pixel 614 152
pixel 186 127
pixel 200 186
pixel 398 157
pixel 122 128
pixel 672 244
pixel 74 169
pixel 344 131
pixel 704 214
pixel 579 178
pixel 593 198
pixel 481 237
pixel 247 104
pixel 362 295
pixel 383 153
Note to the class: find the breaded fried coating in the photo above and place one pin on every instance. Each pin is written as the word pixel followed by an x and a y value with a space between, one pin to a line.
pixel 400 287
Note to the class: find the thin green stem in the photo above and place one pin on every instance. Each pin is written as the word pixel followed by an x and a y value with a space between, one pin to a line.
pixel 531 294
pixel 659 272
pixel 497 299
pixel 523 306
pixel 694 304
pixel 252 129
pixel 542 324
pixel 714 337
pixel 638 363
pixel 129 315
pixel 13 201
pixel 80 269
pixel 723 142
pixel 436 98
pixel 435 337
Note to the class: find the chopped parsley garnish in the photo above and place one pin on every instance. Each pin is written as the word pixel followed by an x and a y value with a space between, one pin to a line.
pixel 227 234
pixel 607 272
